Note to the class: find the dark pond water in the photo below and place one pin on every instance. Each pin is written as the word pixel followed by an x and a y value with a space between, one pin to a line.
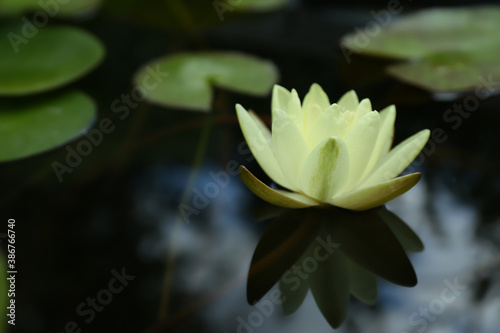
pixel 111 230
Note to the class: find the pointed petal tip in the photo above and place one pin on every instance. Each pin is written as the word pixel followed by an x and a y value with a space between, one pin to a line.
pixel 376 195
pixel 277 88
pixel 239 108
pixel 279 198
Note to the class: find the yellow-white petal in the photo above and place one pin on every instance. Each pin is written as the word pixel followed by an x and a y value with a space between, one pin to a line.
pixel 280 98
pixel 263 127
pixel 370 197
pixel 330 123
pixel 294 109
pixel 325 170
pixel 279 198
pixel 384 139
pixel 349 101
pixel 289 147
pixel 311 115
pixel 397 159
pixel 364 107
pixel 360 142
pixel 259 141
pixel 388 118
pixel 316 95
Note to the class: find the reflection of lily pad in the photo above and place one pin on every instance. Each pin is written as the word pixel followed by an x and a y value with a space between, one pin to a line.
pixel 30 127
pixel 51 8
pixel 448 49
pixel 186 80
pixel 50 58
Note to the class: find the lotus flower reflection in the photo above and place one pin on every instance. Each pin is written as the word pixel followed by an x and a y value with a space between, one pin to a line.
pixel 336 154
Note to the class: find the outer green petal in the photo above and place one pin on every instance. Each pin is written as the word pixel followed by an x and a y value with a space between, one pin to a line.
pixel 370 197
pixel 325 170
pixel 330 123
pixel 258 138
pixel 279 198
pixel 360 142
pixel 280 98
pixel 289 147
pixel 397 159
pixel 349 101
pixel 384 139
pixel 316 95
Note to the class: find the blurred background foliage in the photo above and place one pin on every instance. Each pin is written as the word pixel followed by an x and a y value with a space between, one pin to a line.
pixel 446 49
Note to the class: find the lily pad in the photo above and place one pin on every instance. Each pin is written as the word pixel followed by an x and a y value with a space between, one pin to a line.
pixel 50 58
pixel 37 125
pixel 186 80
pixel 446 49
pixel 68 8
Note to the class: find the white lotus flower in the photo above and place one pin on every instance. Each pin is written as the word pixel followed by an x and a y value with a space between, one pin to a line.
pixel 336 154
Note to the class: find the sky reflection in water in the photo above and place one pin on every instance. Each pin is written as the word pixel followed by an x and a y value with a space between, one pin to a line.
pixel 214 251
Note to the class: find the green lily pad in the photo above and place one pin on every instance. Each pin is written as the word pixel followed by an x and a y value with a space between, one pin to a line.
pixel 51 8
pixel 37 125
pixel 446 49
pixel 445 72
pixel 186 80
pixel 50 58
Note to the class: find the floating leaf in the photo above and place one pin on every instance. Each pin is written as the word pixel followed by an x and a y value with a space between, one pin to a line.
pixel 186 80
pixel 448 49
pixel 50 58
pixel 37 125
